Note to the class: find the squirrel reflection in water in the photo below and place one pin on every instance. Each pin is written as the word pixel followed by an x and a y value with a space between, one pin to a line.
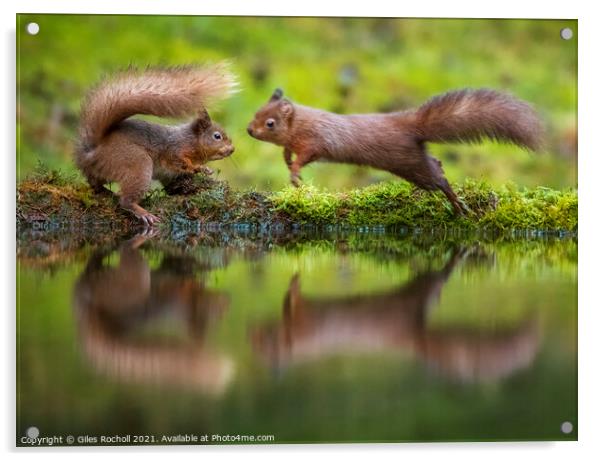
pixel 313 328
pixel 118 306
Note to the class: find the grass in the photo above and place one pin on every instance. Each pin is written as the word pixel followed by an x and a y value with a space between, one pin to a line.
pixel 51 196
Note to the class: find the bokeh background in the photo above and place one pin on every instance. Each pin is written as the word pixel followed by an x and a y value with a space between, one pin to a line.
pixel 339 64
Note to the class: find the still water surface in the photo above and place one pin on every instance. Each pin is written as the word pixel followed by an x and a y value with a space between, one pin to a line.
pixel 352 338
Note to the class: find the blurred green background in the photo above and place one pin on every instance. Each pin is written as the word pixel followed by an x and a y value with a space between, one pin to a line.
pixel 339 64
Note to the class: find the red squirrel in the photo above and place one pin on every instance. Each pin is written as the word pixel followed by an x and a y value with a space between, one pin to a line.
pixel 396 141
pixel 112 147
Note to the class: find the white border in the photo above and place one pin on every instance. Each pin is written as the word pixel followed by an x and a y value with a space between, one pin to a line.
pixel 426 8
pixel 590 106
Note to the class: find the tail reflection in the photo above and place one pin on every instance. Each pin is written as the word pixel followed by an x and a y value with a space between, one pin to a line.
pixel 313 328
pixel 145 325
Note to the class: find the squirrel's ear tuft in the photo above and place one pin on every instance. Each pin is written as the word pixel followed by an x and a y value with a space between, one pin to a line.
pixel 277 94
pixel 202 122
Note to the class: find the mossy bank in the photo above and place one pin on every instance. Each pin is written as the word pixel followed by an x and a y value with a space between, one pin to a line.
pixel 50 197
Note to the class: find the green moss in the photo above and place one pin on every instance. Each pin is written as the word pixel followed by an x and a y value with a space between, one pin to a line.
pixel 540 208
pixel 307 204
pixel 400 204
pixel 50 195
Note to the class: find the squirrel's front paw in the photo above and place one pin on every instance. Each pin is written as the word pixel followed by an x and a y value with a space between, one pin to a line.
pixel 296 180
pixel 204 169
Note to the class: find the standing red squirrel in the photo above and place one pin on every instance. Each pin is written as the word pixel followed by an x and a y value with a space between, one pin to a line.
pixel 396 142
pixel 114 148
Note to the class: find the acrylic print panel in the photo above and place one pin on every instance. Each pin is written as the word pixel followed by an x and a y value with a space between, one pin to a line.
pixel 416 283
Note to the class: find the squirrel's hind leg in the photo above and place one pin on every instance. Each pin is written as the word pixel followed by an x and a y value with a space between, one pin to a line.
pixel 428 174
pixel 460 207
pixel 129 201
pixel 133 187
pixel 442 184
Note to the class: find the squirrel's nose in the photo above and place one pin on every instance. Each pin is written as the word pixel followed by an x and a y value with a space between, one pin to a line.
pixel 250 130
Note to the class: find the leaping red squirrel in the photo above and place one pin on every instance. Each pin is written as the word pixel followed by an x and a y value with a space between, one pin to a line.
pixel 396 142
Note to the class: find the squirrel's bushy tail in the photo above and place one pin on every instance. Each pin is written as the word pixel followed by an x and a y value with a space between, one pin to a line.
pixel 161 91
pixel 472 115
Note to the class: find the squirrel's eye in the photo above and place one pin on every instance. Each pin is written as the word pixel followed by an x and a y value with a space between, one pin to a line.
pixel 217 136
pixel 270 123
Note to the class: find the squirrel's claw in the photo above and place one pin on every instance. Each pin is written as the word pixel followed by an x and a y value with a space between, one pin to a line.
pixel 296 180
pixel 149 219
pixel 463 209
